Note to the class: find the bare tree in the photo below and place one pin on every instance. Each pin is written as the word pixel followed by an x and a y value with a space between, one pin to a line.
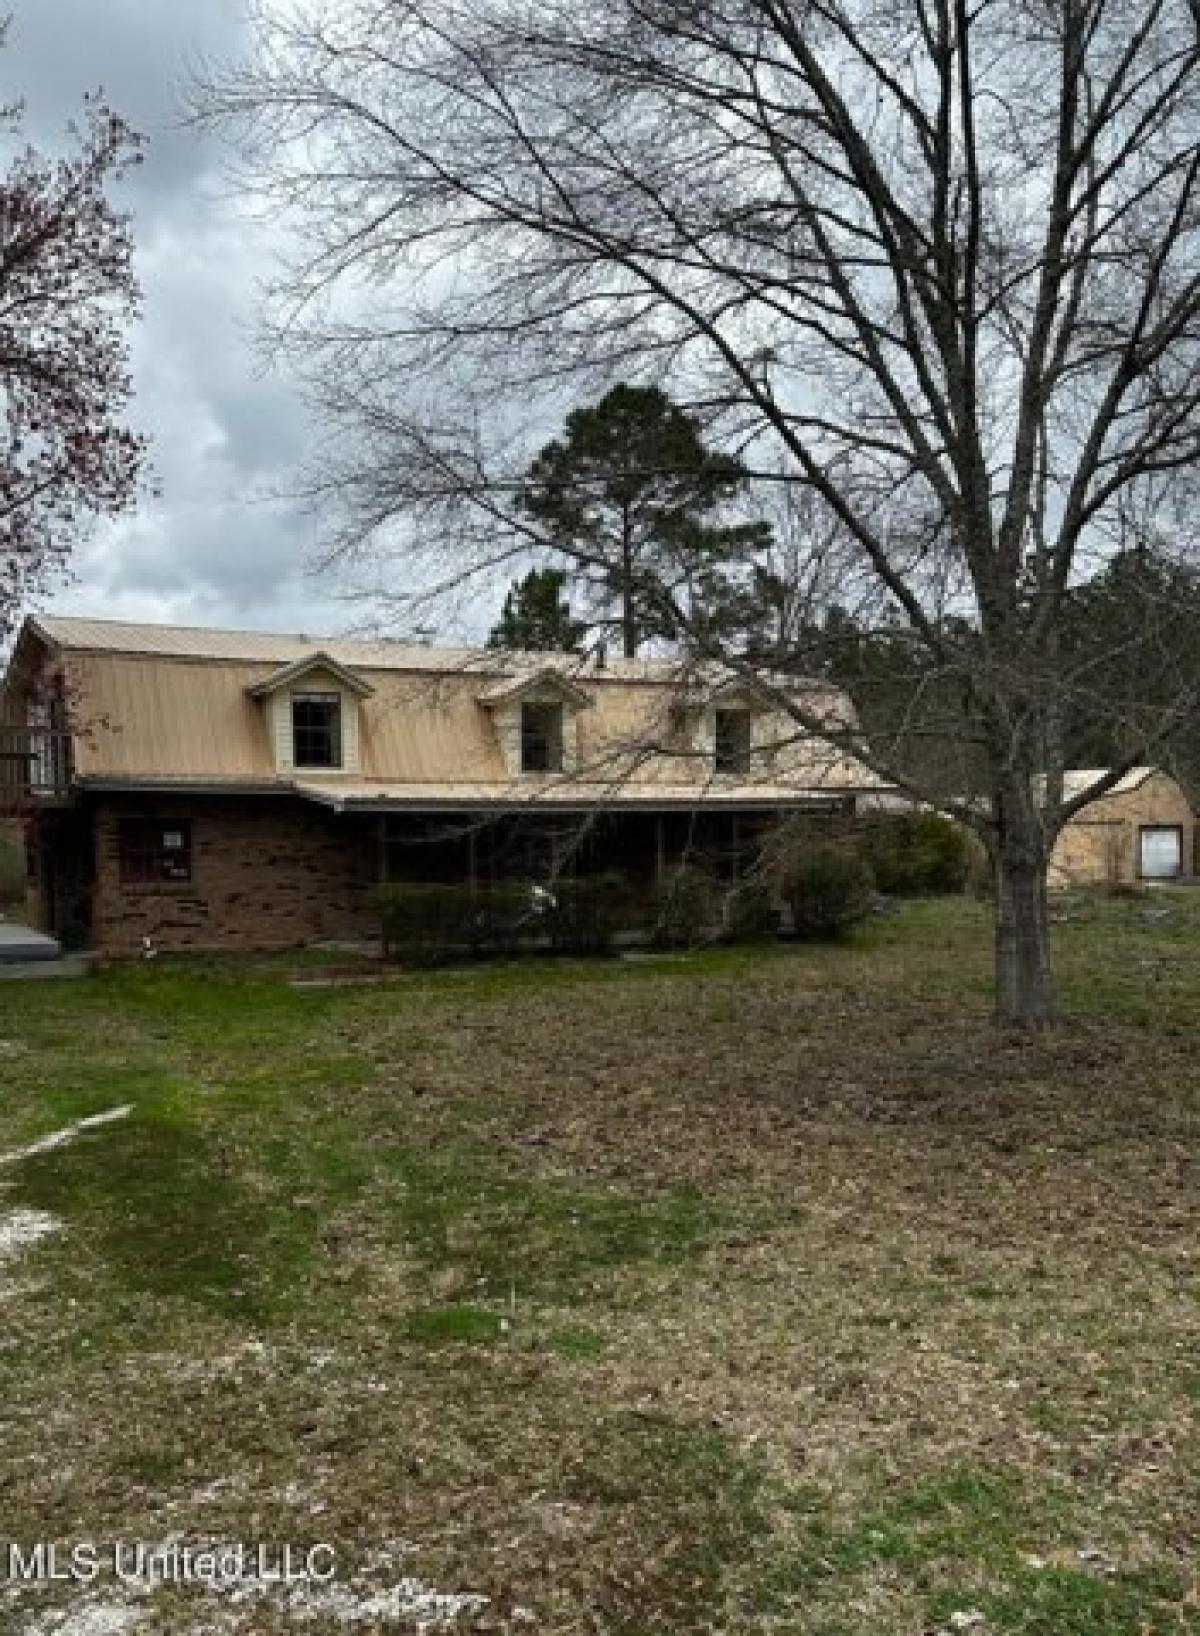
pixel 934 261
pixel 67 287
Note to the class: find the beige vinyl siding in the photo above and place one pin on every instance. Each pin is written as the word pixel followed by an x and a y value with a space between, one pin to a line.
pixel 350 752
pixel 279 706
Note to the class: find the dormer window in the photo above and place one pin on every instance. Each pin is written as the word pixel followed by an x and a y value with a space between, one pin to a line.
pixel 535 717
pixel 732 740
pixel 317 730
pixel 541 738
pixel 313 714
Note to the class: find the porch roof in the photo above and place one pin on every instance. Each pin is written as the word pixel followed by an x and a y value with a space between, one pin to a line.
pixel 560 795
pixel 567 794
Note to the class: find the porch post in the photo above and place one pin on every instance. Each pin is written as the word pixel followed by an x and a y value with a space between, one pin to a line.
pixel 660 849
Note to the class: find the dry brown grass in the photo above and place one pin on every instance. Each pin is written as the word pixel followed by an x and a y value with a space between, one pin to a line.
pixel 752 1293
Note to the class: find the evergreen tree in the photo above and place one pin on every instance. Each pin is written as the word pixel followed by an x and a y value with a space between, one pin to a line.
pixel 536 616
pixel 633 499
pixel 1130 658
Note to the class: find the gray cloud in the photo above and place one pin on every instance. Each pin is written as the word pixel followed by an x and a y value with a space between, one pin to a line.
pixel 213 546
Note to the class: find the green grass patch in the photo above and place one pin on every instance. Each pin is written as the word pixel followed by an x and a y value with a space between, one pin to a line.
pixel 1075 1602
pixel 172 1217
pixel 701 1517
pixel 436 1325
pixel 967 1513
pixel 502 1233
pixel 576 1342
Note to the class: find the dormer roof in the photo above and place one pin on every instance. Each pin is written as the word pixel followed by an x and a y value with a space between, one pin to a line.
pixel 286 675
pixel 738 692
pixel 733 692
pixel 546 678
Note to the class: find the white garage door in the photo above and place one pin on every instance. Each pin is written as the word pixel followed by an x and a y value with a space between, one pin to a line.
pixel 1161 852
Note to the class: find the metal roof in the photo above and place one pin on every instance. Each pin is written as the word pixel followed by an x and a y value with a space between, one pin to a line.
pixel 148 714
pixel 279 648
pixel 74 634
pixel 252 647
pixel 1078 779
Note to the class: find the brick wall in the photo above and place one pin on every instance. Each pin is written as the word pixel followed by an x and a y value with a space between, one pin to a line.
pixel 266 874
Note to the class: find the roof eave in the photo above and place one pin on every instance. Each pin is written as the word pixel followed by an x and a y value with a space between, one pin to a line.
pixel 32 631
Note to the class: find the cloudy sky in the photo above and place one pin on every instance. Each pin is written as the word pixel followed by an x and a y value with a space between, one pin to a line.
pixel 215 548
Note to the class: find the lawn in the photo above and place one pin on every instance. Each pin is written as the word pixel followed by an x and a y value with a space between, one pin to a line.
pixel 760 1291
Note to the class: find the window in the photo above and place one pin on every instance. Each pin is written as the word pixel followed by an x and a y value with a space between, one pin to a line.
pixel 731 741
pixel 153 850
pixel 1160 851
pixel 316 730
pixel 541 738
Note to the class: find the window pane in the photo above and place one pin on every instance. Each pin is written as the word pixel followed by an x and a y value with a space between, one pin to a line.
pixel 732 741
pixel 1162 853
pixel 150 851
pixel 541 738
pixel 316 730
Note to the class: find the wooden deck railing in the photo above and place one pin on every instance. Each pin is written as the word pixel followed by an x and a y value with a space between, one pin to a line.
pixel 35 762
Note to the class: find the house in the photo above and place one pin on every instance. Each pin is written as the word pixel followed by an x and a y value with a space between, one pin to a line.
pixel 217 789
pixel 1144 829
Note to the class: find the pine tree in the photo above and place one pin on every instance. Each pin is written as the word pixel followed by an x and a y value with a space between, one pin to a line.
pixel 536 616
pixel 632 498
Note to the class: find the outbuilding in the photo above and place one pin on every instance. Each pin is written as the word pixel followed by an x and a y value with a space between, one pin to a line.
pixel 1144 829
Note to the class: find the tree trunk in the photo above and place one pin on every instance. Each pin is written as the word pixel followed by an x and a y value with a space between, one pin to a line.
pixel 1024 986
pixel 629 628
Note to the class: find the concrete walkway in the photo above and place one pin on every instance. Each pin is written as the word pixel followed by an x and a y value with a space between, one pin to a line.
pixel 19 944
pixel 25 953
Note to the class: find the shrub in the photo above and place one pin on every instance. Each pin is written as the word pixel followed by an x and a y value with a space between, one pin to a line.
pixel 686 909
pixel 826 890
pixel 425 923
pixel 503 917
pixel 915 854
pixel 751 914
pixel 981 874
pixel 12 864
pixel 588 912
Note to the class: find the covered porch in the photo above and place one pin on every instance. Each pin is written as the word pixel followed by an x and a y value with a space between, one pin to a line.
pixel 488 848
